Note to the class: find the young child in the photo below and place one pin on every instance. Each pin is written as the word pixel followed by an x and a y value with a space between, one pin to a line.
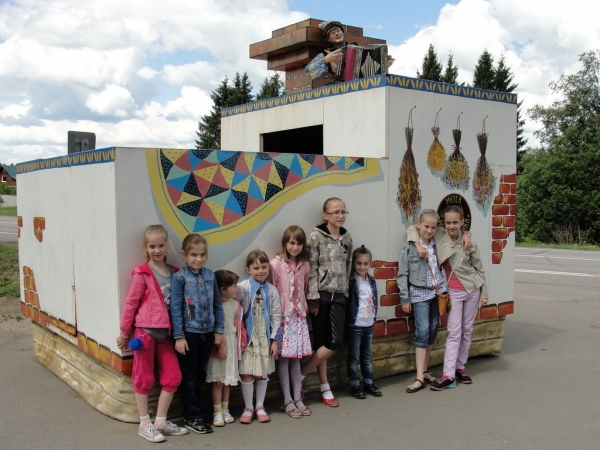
pixel 468 291
pixel 329 249
pixel 360 318
pixel 289 273
pixel 262 317
pixel 146 308
pixel 222 369
pixel 197 314
pixel 417 280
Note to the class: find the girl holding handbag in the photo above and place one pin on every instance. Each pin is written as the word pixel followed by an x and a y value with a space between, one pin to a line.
pixel 462 265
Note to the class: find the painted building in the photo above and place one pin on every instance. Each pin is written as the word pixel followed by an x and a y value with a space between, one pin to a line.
pixel 389 146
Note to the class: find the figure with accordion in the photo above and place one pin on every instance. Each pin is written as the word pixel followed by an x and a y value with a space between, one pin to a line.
pixel 344 61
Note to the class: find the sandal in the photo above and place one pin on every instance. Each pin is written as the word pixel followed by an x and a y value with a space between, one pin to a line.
pixel 294 413
pixel 430 379
pixel 247 418
pixel 263 417
pixel 305 410
pixel 416 389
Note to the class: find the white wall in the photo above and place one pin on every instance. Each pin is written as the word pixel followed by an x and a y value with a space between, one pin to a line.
pixel 9 200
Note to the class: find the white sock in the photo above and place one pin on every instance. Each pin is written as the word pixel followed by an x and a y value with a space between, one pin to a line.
pixel 248 393
pixel 145 420
pixel 261 392
pixel 160 422
pixel 326 391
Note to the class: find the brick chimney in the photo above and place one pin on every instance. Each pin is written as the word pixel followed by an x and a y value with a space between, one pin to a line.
pixel 291 48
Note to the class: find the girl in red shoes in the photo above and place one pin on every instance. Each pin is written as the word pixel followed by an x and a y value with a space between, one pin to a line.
pixel 329 255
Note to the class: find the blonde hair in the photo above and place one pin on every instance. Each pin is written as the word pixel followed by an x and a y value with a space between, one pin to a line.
pixel 191 240
pixel 296 233
pixel 429 212
pixel 155 229
pixel 326 205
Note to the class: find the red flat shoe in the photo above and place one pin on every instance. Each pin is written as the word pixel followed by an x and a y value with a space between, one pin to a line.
pixel 263 417
pixel 331 401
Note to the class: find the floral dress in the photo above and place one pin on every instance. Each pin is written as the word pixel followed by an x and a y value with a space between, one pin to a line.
pixel 256 360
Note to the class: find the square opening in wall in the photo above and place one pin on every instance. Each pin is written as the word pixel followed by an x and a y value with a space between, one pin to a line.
pixel 306 141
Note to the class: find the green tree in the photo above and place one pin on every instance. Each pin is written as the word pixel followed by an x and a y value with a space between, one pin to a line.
pixel 559 189
pixel 431 67
pixel 271 87
pixel 484 76
pixel 209 126
pixel 241 92
pixel 451 72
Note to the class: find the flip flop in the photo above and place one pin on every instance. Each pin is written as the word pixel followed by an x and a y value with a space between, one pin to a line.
pixel 417 389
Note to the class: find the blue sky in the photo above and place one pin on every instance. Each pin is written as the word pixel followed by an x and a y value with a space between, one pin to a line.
pixel 140 73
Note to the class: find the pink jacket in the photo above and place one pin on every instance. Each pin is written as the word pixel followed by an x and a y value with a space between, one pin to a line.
pixel 291 284
pixel 145 305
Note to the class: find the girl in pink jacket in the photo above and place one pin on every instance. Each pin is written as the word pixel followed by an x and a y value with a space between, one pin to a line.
pixel 146 312
pixel 289 274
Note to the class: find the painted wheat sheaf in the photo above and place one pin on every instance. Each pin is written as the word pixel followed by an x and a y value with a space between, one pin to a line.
pixel 456 172
pixel 436 157
pixel 409 193
pixel 483 178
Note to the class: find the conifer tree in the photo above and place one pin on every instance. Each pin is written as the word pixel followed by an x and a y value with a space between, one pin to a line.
pixel 484 76
pixel 432 67
pixel 271 87
pixel 451 73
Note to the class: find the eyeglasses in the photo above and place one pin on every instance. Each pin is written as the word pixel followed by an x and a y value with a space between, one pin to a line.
pixel 338 213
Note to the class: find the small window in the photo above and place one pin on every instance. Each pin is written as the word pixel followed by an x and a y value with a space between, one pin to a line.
pixel 306 141
pixel 3 179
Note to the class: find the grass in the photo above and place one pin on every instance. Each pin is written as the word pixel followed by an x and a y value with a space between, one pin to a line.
pixel 536 244
pixel 8 211
pixel 9 271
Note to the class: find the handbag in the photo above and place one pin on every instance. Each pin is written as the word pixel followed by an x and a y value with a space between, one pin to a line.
pixel 444 304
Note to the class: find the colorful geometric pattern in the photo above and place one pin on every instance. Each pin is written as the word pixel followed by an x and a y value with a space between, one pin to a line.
pixel 76 159
pixel 210 191
pixel 377 81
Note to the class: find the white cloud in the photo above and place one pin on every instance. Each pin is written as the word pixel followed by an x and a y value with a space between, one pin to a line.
pixel 112 101
pixel 16 111
pixel 201 73
pixel 147 73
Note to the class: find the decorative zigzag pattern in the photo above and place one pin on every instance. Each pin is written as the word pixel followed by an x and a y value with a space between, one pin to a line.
pixel 213 188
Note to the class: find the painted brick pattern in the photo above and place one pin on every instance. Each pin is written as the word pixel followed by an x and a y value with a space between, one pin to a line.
pixel 504 210
pixel 292 47
pixel 19 226
pixel 401 322
pixel 29 289
pixel 39 225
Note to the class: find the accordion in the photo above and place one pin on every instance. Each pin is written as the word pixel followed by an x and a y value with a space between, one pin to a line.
pixel 362 62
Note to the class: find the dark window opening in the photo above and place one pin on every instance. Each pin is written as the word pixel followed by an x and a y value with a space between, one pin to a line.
pixel 306 141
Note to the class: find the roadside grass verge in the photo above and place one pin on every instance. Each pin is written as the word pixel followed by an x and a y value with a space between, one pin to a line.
pixel 535 244
pixel 9 271
pixel 8 211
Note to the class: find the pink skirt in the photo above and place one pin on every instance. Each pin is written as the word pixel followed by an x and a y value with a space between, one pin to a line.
pixel 295 341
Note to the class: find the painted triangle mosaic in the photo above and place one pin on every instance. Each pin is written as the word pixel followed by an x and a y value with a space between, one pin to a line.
pixel 214 188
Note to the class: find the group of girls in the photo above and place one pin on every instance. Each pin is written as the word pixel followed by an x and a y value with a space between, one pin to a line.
pixel 226 330
pixel 420 281
pixel 195 325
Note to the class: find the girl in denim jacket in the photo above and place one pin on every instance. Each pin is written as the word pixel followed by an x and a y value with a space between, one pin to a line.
pixel 146 309
pixel 417 280
pixel 197 314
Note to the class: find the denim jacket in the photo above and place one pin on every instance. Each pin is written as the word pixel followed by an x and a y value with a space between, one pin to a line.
pixel 353 300
pixel 412 271
pixel 196 304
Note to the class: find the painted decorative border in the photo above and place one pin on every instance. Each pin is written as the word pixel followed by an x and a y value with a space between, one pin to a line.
pixel 99 156
pixel 377 81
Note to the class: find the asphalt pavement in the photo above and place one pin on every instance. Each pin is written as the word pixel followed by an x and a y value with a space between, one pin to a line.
pixel 539 393
pixel 8 229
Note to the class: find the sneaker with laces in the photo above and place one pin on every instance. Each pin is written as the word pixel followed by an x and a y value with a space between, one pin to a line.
pixel 227 417
pixel 443 383
pixel 170 429
pixel 462 376
pixel 357 392
pixel 372 389
pixel 150 433
pixel 197 426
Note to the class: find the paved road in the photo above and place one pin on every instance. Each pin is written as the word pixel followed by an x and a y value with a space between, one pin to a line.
pixel 540 393
pixel 8 229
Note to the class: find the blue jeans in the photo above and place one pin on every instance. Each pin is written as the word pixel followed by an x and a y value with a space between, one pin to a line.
pixel 359 349
pixel 427 317
pixel 193 371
